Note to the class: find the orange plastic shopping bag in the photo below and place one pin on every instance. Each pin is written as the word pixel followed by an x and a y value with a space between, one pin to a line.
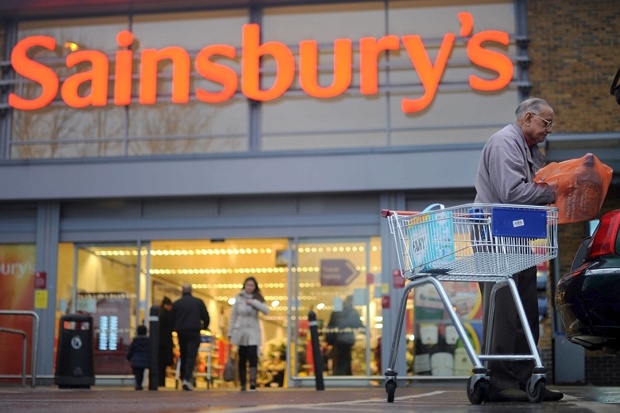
pixel 581 187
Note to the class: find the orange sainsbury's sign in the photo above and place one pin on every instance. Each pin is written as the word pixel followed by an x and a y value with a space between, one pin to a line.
pixel 252 50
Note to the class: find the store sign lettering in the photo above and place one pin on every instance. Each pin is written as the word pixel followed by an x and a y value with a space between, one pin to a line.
pixel 14 269
pixel 252 50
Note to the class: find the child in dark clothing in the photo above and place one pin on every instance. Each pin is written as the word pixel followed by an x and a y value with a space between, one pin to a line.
pixel 138 355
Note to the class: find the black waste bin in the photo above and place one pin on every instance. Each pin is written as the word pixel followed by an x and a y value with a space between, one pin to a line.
pixel 75 359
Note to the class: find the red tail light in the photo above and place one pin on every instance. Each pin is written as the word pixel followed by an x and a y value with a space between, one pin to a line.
pixel 604 241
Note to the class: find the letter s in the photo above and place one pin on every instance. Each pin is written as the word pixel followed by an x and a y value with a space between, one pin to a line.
pixel 491 60
pixel 34 71
pixel 217 73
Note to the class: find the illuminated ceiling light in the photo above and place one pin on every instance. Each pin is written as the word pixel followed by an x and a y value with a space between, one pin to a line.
pixel 411 337
pixel 275 303
pixel 320 306
pixel 231 300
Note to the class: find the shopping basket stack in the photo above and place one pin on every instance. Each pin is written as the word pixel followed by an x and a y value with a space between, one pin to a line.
pixel 472 242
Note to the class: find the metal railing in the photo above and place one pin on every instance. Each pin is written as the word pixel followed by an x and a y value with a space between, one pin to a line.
pixel 25 349
pixel 35 340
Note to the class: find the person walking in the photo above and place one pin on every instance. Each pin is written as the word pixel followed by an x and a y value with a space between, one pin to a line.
pixel 342 325
pixel 138 355
pixel 508 164
pixel 244 329
pixel 165 340
pixel 189 316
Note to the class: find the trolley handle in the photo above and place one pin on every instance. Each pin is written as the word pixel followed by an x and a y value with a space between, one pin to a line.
pixel 388 213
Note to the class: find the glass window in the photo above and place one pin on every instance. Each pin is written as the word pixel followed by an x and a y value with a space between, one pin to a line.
pixel 298 120
pixel 434 347
pixel 195 127
pixel 457 113
pixel 60 131
pixel 17 283
pixel 339 281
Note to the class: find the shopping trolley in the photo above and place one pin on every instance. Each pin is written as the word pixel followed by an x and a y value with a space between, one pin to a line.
pixel 472 242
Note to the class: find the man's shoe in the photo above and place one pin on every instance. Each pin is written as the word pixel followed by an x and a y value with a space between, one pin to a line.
pixel 508 395
pixel 553 396
pixel 187 386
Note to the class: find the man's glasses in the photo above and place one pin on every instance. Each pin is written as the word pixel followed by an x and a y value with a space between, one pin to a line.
pixel 548 123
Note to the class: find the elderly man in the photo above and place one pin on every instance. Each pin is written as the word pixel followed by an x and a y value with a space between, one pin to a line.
pixel 508 164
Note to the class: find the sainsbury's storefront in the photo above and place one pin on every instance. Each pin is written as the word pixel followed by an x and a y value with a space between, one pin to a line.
pixel 142 149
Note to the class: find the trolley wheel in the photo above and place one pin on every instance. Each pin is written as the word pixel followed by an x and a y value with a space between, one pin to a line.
pixel 390 388
pixel 535 391
pixel 478 392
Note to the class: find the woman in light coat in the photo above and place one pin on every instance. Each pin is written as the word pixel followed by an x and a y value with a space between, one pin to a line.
pixel 244 329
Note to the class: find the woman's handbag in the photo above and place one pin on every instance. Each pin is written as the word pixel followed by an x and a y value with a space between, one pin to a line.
pixel 229 368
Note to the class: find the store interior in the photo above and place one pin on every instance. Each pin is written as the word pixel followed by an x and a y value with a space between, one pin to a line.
pixel 122 282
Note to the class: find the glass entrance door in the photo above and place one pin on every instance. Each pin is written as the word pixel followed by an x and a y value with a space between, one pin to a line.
pixel 110 285
pixel 117 283
pixel 338 280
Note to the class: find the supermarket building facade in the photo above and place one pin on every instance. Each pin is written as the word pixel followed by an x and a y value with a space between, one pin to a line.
pixel 144 145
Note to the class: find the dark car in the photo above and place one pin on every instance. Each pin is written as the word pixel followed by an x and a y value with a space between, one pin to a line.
pixel 588 298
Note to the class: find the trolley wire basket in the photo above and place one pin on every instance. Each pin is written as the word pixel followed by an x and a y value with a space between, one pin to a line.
pixel 472 242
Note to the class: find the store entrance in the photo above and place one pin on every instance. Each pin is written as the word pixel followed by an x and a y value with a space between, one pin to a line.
pixel 216 269
pixel 118 283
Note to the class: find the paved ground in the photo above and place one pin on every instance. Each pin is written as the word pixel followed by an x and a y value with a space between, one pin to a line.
pixel 419 397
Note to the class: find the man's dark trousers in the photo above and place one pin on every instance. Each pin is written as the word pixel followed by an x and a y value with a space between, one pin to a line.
pixel 189 341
